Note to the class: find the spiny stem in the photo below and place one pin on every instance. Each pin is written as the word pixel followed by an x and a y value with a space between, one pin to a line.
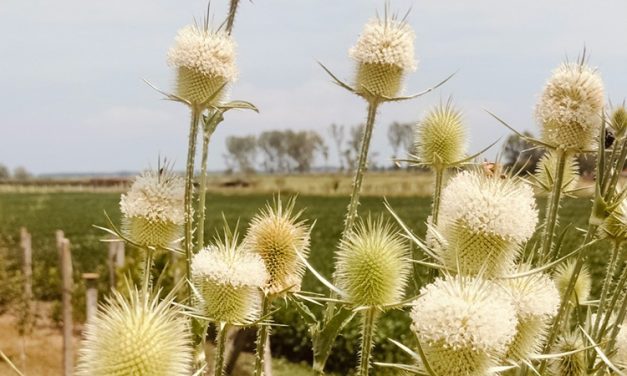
pixel 218 367
pixel 609 276
pixel 189 186
pixel 230 21
pixel 147 276
pixel 618 291
pixel 207 132
pixel 367 334
pixel 550 221
pixel 263 333
pixel 437 192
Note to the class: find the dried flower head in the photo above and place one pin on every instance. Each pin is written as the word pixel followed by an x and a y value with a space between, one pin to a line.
pixel 229 281
pixel 278 236
pixel 205 63
pixel 373 264
pixel 573 364
pixel 153 208
pixel 441 137
pixel 384 53
pixel 618 121
pixel 563 275
pixel 464 325
pixel 614 227
pixel 547 167
pixel 536 300
pixel 569 110
pixel 483 221
pixel 136 336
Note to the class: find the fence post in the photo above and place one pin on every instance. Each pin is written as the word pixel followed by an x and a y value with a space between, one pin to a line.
pixel 116 260
pixel 68 327
pixel 91 294
pixel 59 235
pixel 26 244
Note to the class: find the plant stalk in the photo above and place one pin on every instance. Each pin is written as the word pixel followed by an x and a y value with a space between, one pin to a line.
pixel 609 276
pixel 437 192
pixel 263 333
pixel 553 206
pixel 147 276
pixel 230 21
pixel 218 367
pixel 200 238
pixel 368 328
pixel 189 192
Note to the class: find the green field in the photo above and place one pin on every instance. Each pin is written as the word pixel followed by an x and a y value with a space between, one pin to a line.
pixel 43 213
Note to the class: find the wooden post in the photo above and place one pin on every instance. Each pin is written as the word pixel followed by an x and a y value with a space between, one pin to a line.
pixel 116 260
pixel 120 255
pixel 59 235
pixel 91 294
pixel 25 243
pixel 68 327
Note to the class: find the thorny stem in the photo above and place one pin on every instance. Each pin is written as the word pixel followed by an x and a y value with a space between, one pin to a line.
pixel 147 276
pixel 609 275
pixel 207 133
pixel 550 221
pixel 618 291
pixel 437 192
pixel 189 187
pixel 218 367
pixel 230 21
pixel 368 327
pixel 263 333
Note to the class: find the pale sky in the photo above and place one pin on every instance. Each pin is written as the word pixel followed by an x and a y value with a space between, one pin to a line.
pixel 72 97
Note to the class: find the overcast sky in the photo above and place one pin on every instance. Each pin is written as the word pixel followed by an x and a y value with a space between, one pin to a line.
pixel 72 97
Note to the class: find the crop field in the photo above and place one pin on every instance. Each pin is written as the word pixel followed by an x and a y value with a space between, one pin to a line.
pixel 75 213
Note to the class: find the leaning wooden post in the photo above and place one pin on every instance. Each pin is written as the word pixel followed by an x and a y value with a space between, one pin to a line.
pixel 68 327
pixel 91 294
pixel 26 244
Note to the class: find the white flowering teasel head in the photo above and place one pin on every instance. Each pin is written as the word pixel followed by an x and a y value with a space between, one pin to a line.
pixel 440 138
pixel 484 220
pixel 384 53
pixel 570 106
pixel 153 209
pixel 136 336
pixel 278 236
pixel 562 276
pixel 536 300
pixel 464 325
pixel 373 264
pixel 229 281
pixel 205 63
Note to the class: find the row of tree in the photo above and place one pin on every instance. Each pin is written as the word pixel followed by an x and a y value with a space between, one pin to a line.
pixel 19 173
pixel 287 151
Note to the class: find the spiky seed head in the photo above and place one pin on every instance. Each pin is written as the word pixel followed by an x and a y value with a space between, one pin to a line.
pixel 278 236
pixel 440 138
pixel 153 208
pixel 614 227
pixel 569 365
pixel 536 300
pixel 464 325
pixel 569 110
pixel 384 53
pixel 483 221
pixel 229 281
pixel 136 336
pixel 205 63
pixel 547 166
pixel 373 264
pixel 618 121
pixel 563 275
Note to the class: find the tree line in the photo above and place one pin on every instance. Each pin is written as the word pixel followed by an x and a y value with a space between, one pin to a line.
pixel 19 173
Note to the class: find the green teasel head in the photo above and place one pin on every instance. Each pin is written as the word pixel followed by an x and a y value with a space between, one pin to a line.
pixel 373 264
pixel 573 364
pixel 153 209
pixel 618 121
pixel 614 226
pixel 228 280
pixel 204 60
pixel 282 240
pixel 384 53
pixel 562 276
pixel 440 138
pixel 569 111
pixel 547 166
pixel 140 336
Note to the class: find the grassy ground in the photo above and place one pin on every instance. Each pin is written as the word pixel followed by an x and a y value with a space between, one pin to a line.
pixel 43 213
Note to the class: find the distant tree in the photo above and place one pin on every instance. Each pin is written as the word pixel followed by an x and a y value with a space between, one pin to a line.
pixel 5 174
pixel 303 147
pixel 351 153
pixel 400 136
pixel 21 173
pixel 242 152
pixel 337 134
pixel 273 146
pixel 519 155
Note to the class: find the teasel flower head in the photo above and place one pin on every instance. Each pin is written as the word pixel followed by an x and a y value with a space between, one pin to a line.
pixel 572 364
pixel 373 264
pixel 278 236
pixel 205 63
pixel 618 121
pixel 464 325
pixel 562 276
pixel 569 110
pixel 614 227
pixel 229 280
pixel 536 300
pixel 483 222
pixel 384 53
pixel 153 208
pixel 440 138
pixel 547 166
pixel 142 336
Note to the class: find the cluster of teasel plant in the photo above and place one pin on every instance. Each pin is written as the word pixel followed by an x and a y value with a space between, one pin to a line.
pixel 498 302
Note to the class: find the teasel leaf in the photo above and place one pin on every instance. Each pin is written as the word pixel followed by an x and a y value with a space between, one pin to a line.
pixel 522 136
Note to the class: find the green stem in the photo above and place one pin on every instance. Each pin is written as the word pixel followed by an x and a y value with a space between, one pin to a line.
pixel 367 334
pixel 189 192
pixel 203 188
pixel 437 192
pixel 263 333
pixel 218 367
pixel 609 276
pixel 618 290
pixel 147 276
pixel 550 221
